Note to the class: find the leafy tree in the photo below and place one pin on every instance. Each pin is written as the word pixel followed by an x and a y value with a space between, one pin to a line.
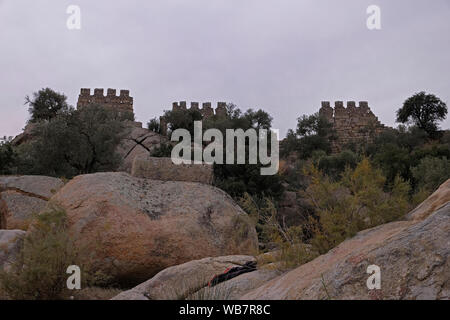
pixel 74 143
pixel 154 125
pixel 335 165
pixel 312 133
pixel 258 119
pixel 162 151
pixel 431 172
pixel 424 110
pixel 313 125
pixel 234 179
pixel 397 151
pixel 46 104
pixel 238 179
pixel 7 157
pixel 182 119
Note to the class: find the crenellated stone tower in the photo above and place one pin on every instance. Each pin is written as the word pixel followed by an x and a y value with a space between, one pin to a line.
pixel 122 103
pixel 206 111
pixel 354 124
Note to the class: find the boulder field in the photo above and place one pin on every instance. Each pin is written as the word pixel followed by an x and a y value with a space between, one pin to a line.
pixel 413 256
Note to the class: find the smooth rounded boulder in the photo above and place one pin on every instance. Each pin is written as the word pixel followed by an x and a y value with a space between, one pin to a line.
pixel 133 228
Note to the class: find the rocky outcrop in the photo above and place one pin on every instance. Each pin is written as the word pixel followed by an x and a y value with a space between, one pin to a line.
pixel 164 169
pixel 137 141
pixel 413 256
pixel 23 196
pixel 11 242
pixel 432 203
pixel 134 228
pixel 26 136
pixel 190 280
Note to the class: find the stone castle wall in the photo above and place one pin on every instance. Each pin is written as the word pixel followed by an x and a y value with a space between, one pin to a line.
pixel 122 103
pixel 206 111
pixel 354 124
pixel 164 169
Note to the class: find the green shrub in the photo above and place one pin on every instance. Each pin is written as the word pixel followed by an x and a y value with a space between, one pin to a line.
pixel 154 125
pixel 75 142
pixel 40 271
pixel 8 158
pixel 335 165
pixel 357 202
pixel 431 172
pixel 162 151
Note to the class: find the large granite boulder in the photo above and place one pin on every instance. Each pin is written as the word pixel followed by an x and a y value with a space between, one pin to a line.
pixel 23 196
pixel 11 242
pixel 413 257
pixel 190 281
pixel 134 228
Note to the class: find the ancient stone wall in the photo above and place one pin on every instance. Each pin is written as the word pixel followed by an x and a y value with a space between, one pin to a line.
pixel 164 169
pixel 354 124
pixel 122 103
pixel 207 111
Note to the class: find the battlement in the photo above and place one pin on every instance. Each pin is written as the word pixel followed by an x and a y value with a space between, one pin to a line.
pixel 352 124
pixel 206 111
pixel 122 102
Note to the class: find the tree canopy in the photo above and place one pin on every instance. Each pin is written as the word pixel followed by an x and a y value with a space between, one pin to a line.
pixel 46 104
pixel 424 110
pixel 74 143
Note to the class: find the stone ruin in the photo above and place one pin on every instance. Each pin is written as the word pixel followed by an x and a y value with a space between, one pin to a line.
pixel 122 103
pixel 354 124
pixel 206 111
pixel 164 169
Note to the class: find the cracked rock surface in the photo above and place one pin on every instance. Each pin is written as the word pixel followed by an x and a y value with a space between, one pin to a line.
pixel 137 141
pixel 136 227
pixel 23 196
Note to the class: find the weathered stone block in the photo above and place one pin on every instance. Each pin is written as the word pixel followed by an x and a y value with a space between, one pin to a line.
pixel 164 169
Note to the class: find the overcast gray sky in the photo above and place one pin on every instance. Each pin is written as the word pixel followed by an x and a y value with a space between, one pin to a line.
pixel 282 56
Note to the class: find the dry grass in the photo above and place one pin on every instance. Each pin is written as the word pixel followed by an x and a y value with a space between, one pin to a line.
pixel 40 270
